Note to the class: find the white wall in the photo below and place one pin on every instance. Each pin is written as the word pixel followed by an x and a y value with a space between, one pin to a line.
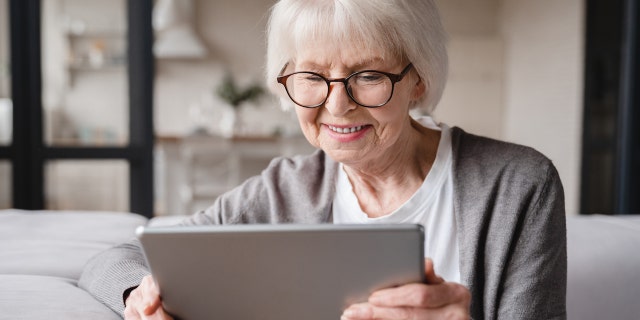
pixel 516 75
pixel 233 32
pixel 544 50
pixel 4 49
pixel 474 93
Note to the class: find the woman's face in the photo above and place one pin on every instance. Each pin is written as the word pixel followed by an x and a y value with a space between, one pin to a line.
pixel 347 132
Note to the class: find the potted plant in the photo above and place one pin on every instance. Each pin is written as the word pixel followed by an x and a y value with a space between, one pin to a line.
pixel 235 97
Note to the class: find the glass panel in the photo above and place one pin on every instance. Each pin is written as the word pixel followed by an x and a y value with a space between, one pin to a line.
pixel 5 185
pixel 84 72
pixel 87 185
pixel 5 77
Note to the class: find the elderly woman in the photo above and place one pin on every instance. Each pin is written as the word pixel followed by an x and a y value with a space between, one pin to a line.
pixel 352 70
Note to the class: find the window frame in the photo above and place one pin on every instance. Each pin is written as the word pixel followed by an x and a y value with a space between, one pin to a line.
pixel 28 152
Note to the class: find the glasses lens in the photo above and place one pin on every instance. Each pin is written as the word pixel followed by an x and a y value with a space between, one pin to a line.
pixel 307 89
pixel 370 88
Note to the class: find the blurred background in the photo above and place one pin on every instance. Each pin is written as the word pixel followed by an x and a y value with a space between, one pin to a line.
pixel 133 105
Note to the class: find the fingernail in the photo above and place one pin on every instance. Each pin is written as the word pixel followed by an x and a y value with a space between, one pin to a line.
pixel 348 313
pixel 352 311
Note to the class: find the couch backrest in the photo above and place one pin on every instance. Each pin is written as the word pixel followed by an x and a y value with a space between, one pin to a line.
pixel 55 243
pixel 603 267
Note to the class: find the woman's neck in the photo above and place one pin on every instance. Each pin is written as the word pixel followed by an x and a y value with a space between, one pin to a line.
pixel 384 185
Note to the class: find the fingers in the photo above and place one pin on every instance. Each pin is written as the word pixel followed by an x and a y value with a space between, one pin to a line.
pixel 420 295
pixel 368 311
pixel 436 299
pixel 430 272
pixel 144 302
pixel 160 314
pixel 436 293
pixel 150 295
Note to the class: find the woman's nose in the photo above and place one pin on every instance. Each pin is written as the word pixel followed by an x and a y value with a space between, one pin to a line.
pixel 338 101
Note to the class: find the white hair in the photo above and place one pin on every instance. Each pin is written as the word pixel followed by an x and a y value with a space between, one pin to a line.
pixel 405 30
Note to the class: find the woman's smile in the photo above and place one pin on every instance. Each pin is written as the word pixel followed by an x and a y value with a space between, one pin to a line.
pixel 346 133
pixel 343 129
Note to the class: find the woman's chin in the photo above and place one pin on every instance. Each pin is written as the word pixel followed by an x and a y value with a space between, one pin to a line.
pixel 345 156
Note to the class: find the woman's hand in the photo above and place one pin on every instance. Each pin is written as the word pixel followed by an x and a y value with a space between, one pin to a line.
pixel 435 300
pixel 144 302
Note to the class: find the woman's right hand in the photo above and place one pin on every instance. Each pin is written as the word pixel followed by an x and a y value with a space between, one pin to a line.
pixel 144 302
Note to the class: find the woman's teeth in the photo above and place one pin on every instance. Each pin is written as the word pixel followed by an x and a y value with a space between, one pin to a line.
pixel 346 130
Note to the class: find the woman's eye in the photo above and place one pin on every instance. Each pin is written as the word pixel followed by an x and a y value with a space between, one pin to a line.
pixel 308 79
pixel 313 77
pixel 369 77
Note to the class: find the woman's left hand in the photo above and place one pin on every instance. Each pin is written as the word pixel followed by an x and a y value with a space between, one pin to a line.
pixel 436 299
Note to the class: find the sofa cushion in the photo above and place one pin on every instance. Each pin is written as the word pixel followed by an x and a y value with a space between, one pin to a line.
pixel 45 297
pixel 603 279
pixel 59 243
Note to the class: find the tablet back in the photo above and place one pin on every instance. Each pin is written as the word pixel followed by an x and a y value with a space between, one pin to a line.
pixel 279 272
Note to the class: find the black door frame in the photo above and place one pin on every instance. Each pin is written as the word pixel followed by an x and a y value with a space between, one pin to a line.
pixel 611 128
pixel 28 152
pixel 627 171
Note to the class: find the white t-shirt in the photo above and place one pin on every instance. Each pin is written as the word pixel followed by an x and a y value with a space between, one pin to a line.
pixel 431 206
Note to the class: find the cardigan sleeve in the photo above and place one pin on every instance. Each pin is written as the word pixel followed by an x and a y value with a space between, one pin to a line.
pixel 534 284
pixel 108 275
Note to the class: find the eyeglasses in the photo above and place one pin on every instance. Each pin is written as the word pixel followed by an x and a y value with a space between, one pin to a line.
pixel 368 88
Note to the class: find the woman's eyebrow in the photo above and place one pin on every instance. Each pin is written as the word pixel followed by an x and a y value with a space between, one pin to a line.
pixel 312 66
pixel 367 63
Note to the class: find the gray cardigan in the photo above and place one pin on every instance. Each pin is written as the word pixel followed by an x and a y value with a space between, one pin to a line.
pixel 509 208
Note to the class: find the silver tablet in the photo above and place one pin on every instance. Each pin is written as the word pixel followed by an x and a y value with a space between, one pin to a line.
pixel 278 272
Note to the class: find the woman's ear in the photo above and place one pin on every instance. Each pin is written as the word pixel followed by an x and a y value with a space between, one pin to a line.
pixel 419 89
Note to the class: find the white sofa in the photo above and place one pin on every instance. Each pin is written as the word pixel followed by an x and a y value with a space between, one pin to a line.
pixel 603 279
pixel 42 255
pixel 41 258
